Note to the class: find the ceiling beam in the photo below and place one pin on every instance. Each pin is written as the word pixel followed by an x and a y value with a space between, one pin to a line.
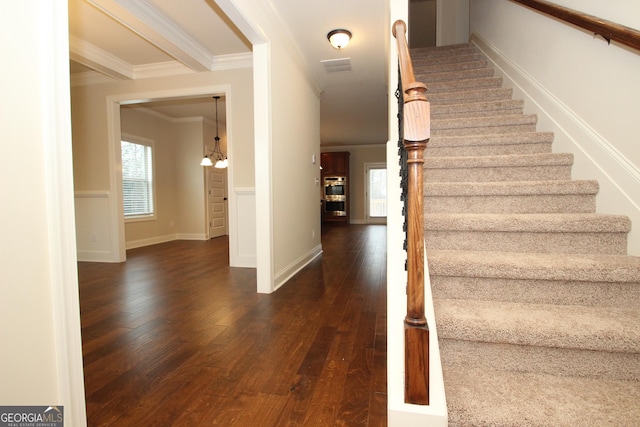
pixel 97 59
pixel 150 23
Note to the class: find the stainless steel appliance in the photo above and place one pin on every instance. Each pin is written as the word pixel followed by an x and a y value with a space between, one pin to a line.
pixel 335 196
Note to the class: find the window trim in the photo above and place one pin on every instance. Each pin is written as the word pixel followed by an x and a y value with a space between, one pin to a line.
pixel 134 139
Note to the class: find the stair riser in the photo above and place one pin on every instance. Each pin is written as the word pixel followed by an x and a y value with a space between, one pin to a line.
pixel 466 96
pixel 488 150
pixel 576 243
pixel 533 173
pixel 427 70
pixel 466 84
pixel 439 112
pixel 475 113
pixel 494 121
pixel 435 52
pixel 474 73
pixel 485 130
pixel 429 61
pixel 544 203
pixel 536 291
pixel 543 360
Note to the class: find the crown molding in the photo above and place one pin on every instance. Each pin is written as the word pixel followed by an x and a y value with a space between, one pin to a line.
pixel 232 61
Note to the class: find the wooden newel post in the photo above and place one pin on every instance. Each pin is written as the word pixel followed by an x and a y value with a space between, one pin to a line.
pixel 417 131
pixel 416 330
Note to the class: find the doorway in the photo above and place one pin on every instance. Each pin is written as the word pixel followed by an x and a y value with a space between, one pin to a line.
pixel 422 23
pixel 192 172
pixel 177 128
pixel 376 193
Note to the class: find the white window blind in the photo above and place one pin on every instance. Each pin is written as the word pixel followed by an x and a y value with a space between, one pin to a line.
pixel 137 179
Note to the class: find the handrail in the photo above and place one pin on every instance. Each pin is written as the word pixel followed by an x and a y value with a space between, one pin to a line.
pixel 607 29
pixel 416 132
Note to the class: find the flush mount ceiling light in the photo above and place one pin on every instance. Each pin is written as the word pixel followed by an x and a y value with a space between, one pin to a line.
pixel 339 38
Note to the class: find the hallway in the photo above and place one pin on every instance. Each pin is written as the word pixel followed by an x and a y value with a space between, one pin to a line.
pixel 175 337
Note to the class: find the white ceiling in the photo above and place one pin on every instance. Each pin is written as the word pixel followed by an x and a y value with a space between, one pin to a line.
pixel 133 39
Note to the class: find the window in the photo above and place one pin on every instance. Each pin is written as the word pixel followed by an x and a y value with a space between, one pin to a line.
pixel 376 191
pixel 137 179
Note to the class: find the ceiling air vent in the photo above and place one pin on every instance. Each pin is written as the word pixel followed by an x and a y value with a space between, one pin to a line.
pixel 337 65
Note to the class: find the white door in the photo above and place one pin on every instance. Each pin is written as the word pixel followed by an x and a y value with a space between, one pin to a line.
pixel 217 202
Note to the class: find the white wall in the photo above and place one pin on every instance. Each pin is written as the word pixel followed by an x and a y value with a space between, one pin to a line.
pixel 137 124
pixel 583 89
pixel 40 354
pixel 190 181
pixel 296 139
pixel 286 120
pixel 180 196
pixel 452 25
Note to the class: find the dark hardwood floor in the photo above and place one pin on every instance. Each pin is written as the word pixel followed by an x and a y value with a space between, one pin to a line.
pixel 175 337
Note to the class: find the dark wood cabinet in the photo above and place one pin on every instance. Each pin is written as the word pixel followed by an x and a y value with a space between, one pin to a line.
pixel 335 186
pixel 335 164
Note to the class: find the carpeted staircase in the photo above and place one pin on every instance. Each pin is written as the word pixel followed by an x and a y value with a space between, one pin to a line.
pixel 537 303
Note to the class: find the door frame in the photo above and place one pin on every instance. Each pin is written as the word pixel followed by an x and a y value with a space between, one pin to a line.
pixel 114 102
pixel 367 167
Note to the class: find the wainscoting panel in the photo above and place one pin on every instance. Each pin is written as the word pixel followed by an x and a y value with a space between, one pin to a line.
pixel 242 220
pixel 92 226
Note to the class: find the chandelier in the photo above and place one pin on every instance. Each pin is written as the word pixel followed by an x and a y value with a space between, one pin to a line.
pixel 216 155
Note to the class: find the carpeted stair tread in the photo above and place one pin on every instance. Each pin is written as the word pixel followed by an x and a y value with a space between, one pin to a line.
pixel 513 160
pixel 535 266
pixel 569 362
pixel 428 60
pixel 540 223
pixel 427 68
pixel 476 109
pixel 513 167
pixel 612 329
pixel 506 120
pixel 511 197
pixel 526 188
pixel 436 51
pixel 466 84
pixel 548 233
pixel 463 95
pixel 539 291
pixel 456 74
pixel 495 398
pixel 496 144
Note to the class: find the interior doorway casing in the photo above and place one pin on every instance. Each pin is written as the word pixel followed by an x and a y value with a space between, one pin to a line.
pixel 116 219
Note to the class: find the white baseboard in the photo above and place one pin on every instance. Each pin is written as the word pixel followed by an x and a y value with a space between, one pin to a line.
pixel 287 273
pixel 95 256
pixel 150 241
pixel 594 156
pixel 244 261
pixel 191 236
